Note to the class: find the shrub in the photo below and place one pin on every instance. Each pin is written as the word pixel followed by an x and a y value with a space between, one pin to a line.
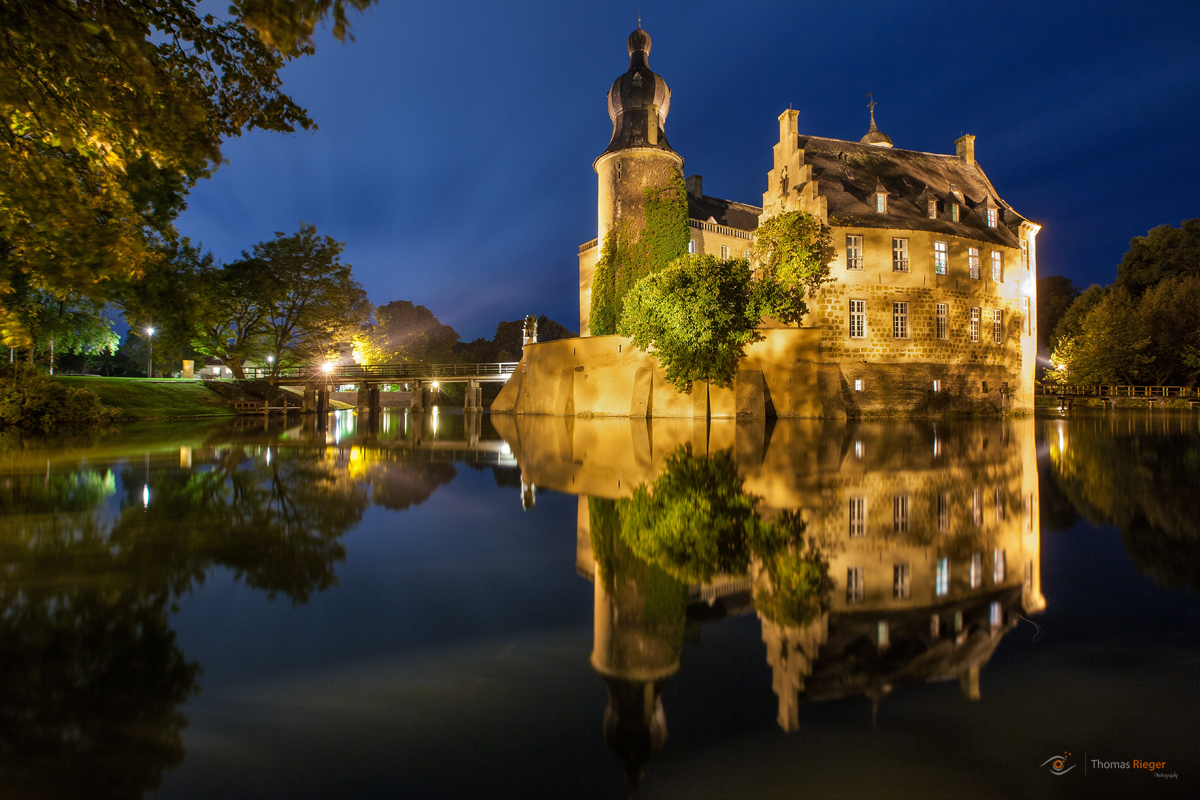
pixel 32 400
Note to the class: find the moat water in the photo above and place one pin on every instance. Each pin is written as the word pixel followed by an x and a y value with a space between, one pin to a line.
pixel 441 605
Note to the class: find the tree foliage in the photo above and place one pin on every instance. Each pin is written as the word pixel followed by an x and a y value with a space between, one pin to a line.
pixel 629 254
pixel 1055 294
pixel 1164 252
pixel 404 332
pixel 110 110
pixel 794 249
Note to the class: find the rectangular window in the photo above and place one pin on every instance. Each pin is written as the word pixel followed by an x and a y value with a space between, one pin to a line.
pixel 1024 254
pixel 999 566
pixel 976 570
pixel 900 581
pixel 854 252
pixel 854 585
pixel 900 320
pixel 942 318
pixel 943 511
pixel 941 586
pixel 900 514
pixel 899 255
pixel 996 616
pixel 692 247
pixel 724 252
pixel 858 384
pixel 858 319
pixel 997 267
pixel 937 387
pixel 954 212
pixel 858 517
pixel 1025 320
pixel 935 626
pixel 881 203
pixel 991 217
pixel 997 326
pixel 973 262
pixel 881 634
pixel 746 254
pixel 974 324
pixel 999 503
pixel 941 258
pixel 977 506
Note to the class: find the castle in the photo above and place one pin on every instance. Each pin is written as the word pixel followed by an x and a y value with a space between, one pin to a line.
pixel 931 306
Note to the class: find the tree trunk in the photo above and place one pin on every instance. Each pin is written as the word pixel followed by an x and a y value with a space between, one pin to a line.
pixel 235 366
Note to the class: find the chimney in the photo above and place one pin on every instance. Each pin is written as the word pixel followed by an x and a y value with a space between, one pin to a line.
pixel 693 183
pixel 964 148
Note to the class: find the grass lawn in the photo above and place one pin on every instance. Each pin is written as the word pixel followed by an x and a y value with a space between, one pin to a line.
pixel 139 398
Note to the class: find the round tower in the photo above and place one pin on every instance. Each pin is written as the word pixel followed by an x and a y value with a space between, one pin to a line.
pixel 638 156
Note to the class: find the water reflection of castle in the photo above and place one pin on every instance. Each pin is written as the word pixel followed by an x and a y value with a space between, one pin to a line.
pixel 930 529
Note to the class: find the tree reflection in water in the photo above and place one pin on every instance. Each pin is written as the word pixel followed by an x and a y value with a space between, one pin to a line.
pixel 91 674
pixel 1136 471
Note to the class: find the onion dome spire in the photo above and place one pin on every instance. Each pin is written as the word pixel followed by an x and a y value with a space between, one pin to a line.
pixel 639 100
pixel 874 135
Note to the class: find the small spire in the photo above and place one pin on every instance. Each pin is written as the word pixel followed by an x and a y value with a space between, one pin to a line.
pixel 874 135
pixel 870 105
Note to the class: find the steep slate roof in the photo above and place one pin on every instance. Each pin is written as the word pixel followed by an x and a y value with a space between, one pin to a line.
pixel 726 212
pixel 847 174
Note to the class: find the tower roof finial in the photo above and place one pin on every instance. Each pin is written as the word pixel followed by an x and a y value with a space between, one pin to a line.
pixel 874 135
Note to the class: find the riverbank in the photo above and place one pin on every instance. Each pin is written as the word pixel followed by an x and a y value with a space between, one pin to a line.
pixel 167 398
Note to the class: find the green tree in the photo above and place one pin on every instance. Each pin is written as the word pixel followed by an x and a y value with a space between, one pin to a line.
pixel 1113 344
pixel 110 110
pixel 794 249
pixel 1164 252
pixel 631 253
pixel 228 313
pixel 405 332
pixel 313 304
pixel 1055 294
pixel 698 315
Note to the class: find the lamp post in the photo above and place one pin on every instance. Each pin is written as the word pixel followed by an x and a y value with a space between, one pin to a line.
pixel 150 354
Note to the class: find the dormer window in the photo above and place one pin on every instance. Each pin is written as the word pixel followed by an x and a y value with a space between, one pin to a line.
pixel 881 203
pixel 991 214
pixel 931 211
pixel 954 212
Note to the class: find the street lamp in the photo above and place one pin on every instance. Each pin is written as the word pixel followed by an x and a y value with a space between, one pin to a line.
pixel 150 355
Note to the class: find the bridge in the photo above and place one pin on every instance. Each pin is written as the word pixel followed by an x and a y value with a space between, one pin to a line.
pixel 1109 393
pixel 319 381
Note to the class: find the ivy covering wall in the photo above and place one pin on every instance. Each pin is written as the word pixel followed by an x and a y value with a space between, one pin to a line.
pixel 627 255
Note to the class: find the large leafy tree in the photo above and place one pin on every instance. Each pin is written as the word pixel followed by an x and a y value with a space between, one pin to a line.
pixel 1055 294
pixel 1164 252
pixel 405 332
pixel 794 249
pixel 313 304
pixel 110 110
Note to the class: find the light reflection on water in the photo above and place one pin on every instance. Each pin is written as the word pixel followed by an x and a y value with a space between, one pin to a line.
pixel 367 609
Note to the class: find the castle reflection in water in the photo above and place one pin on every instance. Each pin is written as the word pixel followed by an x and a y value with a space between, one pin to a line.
pixel 929 531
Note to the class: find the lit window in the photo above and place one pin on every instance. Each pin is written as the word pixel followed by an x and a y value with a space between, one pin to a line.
pixel 858 516
pixel 999 566
pixel 724 252
pixel 997 326
pixel 941 257
pixel 858 319
pixel 941 585
pixel 858 387
pixel 942 314
pixel 973 262
pixel 991 217
pixel 899 255
pixel 958 621
pixel 976 570
pixel 974 324
pixel 1024 254
pixel 900 581
pixel 854 585
pixel 996 616
pixel 937 387
pixel 997 267
pixel 954 212
pixel 858 445
pixel 900 320
pixel 900 514
pixel 854 252
pixel 1025 316
pixel 881 634
pixel 881 203
pixel 692 246
pixel 943 511
pixel 977 506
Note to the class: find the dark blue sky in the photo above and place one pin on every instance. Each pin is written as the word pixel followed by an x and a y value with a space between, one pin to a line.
pixel 456 139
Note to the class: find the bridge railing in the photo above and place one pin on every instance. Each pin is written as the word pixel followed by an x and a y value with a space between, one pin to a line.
pixel 1118 390
pixel 348 373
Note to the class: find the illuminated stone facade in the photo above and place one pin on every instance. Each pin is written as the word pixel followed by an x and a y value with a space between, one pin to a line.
pixel 932 305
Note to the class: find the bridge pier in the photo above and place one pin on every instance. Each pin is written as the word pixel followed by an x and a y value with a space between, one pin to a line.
pixel 473 397
pixel 418 396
